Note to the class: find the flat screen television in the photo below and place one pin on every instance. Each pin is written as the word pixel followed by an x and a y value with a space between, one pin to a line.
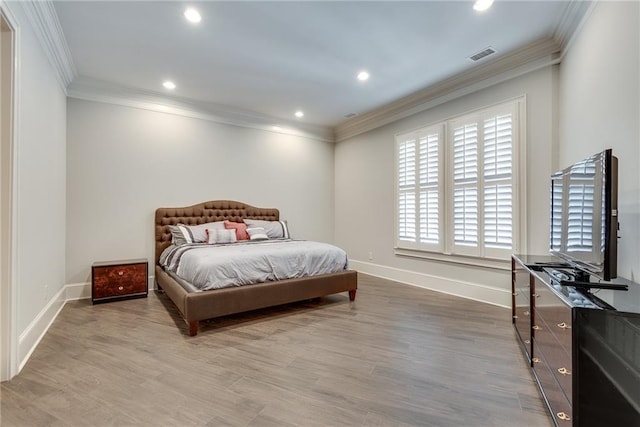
pixel 584 215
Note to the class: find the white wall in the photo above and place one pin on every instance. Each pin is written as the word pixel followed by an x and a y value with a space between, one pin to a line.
pixel 364 192
pixel 600 108
pixel 41 189
pixel 123 163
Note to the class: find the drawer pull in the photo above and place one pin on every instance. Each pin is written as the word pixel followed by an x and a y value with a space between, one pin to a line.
pixel 527 342
pixel 515 317
pixel 564 371
pixel 535 295
pixel 120 273
pixel 563 416
pixel 526 313
pixel 563 326
pixel 535 360
pixel 120 288
pixel 515 294
pixel 535 327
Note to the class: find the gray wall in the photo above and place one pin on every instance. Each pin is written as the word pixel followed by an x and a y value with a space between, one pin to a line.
pixel 600 108
pixel 123 163
pixel 365 202
pixel 40 180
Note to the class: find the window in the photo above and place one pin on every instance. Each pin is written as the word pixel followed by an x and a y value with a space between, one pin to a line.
pixel 419 188
pixel 457 185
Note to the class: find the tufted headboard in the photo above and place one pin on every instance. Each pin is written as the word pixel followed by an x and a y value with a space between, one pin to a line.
pixel 217 210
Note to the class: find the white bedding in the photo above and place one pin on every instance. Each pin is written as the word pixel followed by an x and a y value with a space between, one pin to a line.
pixel 219 266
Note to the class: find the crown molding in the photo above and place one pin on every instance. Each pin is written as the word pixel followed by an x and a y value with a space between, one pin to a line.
pixel 539 54
pixel 574 16
pixel 43 19
pixel 106 92
pixel 42 16
pixel 532 57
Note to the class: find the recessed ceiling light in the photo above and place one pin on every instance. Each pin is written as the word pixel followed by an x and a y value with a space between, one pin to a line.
pixel 299 114
pixel 363 75
pixel 276 128
pixel 482 5
pixel 169 85
pixel 192 15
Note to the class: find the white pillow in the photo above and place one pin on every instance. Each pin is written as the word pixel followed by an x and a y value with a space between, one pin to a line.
pixel 274 229
pixel 217 235
pixel 200 231
pixel 257 233
pixel 183 234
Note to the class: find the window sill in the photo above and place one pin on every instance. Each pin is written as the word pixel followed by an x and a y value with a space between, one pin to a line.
pixel 491 263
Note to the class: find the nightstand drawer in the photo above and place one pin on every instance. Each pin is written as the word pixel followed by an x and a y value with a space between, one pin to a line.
pixel 119 280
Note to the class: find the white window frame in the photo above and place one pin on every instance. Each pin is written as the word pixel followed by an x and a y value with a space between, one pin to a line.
pixel 446 246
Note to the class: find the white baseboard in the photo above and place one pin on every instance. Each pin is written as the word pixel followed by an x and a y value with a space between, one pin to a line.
pixel 76 291
pixel 30 338
pixel 469 290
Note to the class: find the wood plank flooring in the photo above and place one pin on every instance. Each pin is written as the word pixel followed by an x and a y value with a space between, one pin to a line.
pixel 397 356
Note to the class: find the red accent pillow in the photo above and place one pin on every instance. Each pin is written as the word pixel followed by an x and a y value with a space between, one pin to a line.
pixel 241 229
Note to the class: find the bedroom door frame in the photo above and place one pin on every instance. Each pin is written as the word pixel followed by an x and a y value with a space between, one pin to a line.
pixel 8 133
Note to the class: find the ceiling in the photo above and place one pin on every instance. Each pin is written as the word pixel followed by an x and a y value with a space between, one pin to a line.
pixel 270 59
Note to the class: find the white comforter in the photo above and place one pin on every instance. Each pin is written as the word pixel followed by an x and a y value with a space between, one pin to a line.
pixel 219 266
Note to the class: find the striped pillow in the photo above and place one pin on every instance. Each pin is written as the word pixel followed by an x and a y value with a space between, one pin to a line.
pixel 180 234
pixel 216 235
pixel 183 234
pixel 274 229
pixel 257 233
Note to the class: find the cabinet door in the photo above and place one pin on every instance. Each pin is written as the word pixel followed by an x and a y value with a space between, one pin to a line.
pixel 557 359
pixel 552 334
pixel 555 398
pixel 521 310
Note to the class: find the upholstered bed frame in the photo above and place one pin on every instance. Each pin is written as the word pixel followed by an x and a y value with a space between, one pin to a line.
pixel 197 306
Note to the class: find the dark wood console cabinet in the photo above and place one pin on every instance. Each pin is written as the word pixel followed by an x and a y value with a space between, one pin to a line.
pixel 583 346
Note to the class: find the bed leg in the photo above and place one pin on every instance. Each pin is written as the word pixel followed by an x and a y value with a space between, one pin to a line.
pixel 352 295
pixel 158 287
pixel 193 328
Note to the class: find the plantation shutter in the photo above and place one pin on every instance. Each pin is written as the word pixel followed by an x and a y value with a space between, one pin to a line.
pixel 465 183
pixel 498 187
pixel 482 195
pixel 429 188
pixel 406 190
pixel 419 175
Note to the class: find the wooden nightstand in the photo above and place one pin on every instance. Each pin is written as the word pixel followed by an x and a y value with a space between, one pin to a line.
pixel 115 280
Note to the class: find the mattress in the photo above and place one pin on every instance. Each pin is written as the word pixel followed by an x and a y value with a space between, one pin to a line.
pixel 208 267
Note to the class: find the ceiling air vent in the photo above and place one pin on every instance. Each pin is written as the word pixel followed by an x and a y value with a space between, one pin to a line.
pixel 348 116
pixel 483 53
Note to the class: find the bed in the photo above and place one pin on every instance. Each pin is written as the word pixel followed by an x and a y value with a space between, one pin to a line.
pixel 197 306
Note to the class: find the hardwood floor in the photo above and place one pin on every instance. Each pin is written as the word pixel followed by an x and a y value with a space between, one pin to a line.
pixel 397 356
